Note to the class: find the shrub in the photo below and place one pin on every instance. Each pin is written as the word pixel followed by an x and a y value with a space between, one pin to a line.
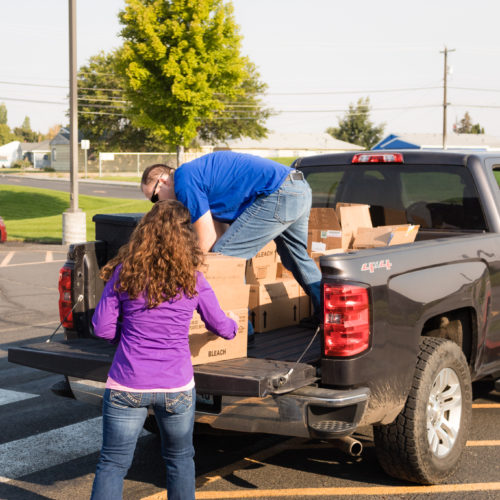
pixel 22 164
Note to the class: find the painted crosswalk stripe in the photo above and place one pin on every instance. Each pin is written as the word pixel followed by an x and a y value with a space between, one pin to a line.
pixel 7 397
pixel 49 256
pixel 49 449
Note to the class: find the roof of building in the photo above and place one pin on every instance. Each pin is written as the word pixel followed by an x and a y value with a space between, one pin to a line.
pixel 61 138
pixel 455 141
pixel 35 146
pixel 292 141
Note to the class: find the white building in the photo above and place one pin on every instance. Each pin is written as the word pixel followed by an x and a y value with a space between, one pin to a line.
pixel 280 145
pixel 9 153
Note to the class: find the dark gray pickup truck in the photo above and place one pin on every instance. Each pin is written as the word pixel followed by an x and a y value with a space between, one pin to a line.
pixel 406 328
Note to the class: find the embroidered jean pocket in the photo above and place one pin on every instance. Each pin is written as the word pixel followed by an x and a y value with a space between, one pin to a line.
pixel 178 402
pixel 123 399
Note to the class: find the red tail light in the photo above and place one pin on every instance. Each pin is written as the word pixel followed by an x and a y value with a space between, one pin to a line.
pixel 347 320
pixel 377 158
pixel 65 304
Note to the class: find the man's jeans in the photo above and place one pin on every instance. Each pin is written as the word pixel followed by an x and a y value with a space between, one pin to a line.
pixel 124 414
pixel 282 216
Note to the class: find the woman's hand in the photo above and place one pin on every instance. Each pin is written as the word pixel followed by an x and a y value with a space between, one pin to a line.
pixel 232 316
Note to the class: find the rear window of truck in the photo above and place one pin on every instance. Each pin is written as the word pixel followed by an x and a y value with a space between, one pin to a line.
pixel 433 196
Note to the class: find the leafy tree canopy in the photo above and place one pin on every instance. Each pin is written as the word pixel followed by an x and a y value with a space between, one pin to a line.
pixel 355 127
pixel 25 133
pixel 103 107
pixel 6 134
pixel 3 114
pixel 465 126
pixel 182 66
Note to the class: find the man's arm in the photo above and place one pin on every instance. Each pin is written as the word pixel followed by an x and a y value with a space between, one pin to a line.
pixel 205 229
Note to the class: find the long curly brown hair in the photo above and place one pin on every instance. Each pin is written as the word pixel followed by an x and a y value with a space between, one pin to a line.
pixel 161 257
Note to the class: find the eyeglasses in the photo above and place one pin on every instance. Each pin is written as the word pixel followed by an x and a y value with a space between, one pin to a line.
pixel 154 197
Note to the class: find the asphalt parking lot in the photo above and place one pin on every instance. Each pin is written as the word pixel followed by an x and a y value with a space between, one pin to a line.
pixel 49 445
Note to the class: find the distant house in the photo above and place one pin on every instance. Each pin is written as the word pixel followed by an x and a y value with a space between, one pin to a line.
pixel 9 153
pixel 288 145
pixel 37 153
pixel 59 151
pixel 476 142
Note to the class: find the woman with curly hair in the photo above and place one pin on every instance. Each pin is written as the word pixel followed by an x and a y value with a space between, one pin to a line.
pixel 153 287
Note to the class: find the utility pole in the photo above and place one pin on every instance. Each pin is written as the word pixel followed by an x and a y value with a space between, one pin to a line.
pixel 74 223
pixel 445 102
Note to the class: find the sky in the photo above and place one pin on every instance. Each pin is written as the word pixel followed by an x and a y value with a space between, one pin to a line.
pixel 316 56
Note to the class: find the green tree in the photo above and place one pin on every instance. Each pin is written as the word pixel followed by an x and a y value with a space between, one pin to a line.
pixel 465 126
pixel 3 114
pixel 25 133
pixel 102 109
pixel 244 115
pixel 355 127
pixel 6 134
pixel 179 58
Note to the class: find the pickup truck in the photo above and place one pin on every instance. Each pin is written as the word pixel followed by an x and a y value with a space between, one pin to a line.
pixel 406 328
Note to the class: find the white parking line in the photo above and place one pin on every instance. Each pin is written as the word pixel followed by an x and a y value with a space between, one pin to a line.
pixel 49 449
pixel 34 263
pixel 7 397
pixel 7 259
pixel 49 256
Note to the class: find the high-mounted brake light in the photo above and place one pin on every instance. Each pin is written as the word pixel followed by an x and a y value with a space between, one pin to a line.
pixel 346 320
pixel 377 158
pixel 65 305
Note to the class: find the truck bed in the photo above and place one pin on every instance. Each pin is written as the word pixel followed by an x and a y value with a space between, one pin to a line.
pixel 271 356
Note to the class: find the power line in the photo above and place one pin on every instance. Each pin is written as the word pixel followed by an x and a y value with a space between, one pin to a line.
pixel 33 100
pixel 373 91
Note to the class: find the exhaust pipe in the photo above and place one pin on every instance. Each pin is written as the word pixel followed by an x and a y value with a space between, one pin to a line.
pixel 348 445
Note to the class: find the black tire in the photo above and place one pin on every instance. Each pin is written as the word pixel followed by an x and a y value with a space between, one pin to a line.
pixel 403 447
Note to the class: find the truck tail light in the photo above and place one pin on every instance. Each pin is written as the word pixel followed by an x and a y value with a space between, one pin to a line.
pixel 65 305
pixel 377 158
pixel 346 319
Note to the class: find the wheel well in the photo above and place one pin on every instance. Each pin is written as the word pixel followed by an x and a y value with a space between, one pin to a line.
pixel 458 326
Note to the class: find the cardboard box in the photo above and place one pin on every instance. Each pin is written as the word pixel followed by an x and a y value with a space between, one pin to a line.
pixel 324 231
pixel 274 305
pixel 385 236
pixel 206 347
pixel 262 267
pixel 222 268
pixel 316 255
pixel 353 217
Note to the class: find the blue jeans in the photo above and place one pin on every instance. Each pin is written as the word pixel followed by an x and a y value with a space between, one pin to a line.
pixel 282 216
pixel 124 414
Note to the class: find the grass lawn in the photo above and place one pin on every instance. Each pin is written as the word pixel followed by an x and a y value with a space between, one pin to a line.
pixel 35 215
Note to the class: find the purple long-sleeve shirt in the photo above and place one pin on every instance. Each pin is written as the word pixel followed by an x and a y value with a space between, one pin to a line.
pixel 153 349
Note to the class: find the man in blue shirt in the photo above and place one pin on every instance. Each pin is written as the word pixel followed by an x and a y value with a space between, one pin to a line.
pixel 256 199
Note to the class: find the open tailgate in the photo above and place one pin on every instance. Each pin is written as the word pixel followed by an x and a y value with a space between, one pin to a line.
pixel 91 359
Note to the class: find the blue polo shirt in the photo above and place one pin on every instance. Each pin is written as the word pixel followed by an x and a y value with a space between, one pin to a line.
pixel 226 183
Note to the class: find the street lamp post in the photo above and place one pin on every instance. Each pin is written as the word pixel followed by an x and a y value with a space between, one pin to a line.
pixel 74 223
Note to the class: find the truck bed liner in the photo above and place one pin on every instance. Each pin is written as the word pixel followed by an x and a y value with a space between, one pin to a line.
pixel 270 358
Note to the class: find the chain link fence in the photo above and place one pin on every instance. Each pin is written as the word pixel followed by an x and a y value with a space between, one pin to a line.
pixel 127 163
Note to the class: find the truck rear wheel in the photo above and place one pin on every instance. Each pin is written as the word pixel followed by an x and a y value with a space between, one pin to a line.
pixel 425 442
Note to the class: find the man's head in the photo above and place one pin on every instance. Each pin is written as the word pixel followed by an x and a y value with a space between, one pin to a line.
pixel 157 182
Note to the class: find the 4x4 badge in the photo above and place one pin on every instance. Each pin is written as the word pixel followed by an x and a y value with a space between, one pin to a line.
pixel 378 264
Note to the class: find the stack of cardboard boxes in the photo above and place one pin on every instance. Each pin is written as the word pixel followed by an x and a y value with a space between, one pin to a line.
pixel 275 300
pixel 271 297
pixel 226 276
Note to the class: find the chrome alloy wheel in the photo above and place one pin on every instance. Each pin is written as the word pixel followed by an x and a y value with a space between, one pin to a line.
pixel 444 411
